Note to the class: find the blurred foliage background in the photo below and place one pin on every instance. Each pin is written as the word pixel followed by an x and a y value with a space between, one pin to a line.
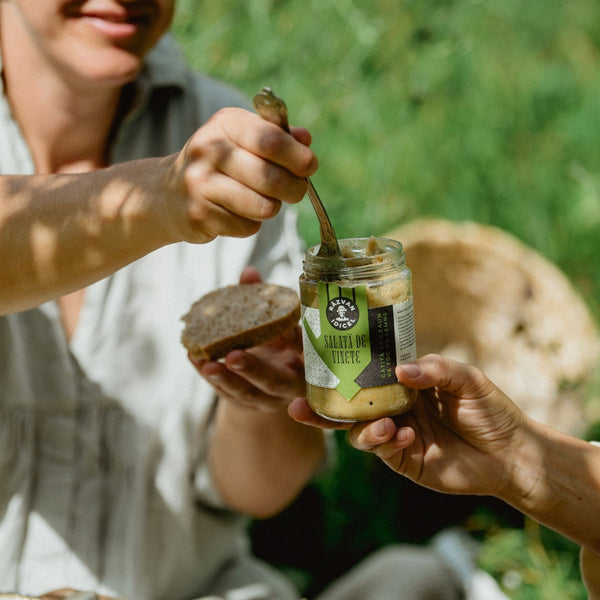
pixel 483 110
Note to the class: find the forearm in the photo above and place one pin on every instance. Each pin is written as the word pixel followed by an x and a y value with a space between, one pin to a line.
pixel 59 233
pixel 557 482
pixel 261 460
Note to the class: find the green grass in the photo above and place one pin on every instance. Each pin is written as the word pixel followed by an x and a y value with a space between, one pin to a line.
pixel 484 110
pixel 533 563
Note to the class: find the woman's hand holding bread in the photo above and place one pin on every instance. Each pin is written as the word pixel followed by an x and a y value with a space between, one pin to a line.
pixel 253 328
pixel 254 434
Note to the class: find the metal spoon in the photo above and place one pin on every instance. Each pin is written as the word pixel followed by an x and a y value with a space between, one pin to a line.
pixel 272 108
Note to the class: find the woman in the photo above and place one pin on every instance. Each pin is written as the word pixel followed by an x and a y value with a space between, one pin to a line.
pixel 121 471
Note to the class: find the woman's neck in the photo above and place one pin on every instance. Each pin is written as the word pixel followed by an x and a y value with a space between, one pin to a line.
pixel 66 123
pixel 65 131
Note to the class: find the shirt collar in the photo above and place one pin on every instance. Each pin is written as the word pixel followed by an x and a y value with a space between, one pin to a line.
pixel 164 65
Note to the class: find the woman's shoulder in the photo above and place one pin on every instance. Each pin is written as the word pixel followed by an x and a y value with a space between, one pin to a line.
pixel 167 67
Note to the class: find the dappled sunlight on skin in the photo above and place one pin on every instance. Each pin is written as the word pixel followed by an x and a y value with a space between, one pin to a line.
pixel 44 218
pixel 110 217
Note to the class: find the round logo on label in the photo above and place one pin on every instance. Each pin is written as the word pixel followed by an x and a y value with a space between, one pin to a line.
pixel 342 313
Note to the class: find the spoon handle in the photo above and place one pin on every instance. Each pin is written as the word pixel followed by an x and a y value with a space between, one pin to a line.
pixel 329 243
pixel 272 108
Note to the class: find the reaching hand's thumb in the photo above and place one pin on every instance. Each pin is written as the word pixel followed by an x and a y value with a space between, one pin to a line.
pixel 453 377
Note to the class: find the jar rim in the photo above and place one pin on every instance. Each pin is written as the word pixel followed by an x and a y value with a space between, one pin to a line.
pixel 356 264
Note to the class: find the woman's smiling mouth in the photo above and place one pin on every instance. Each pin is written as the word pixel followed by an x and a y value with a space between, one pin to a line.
pixel 116 29
pixel 118 23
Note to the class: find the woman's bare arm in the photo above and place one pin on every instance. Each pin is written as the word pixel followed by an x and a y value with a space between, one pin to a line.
pixel 59 233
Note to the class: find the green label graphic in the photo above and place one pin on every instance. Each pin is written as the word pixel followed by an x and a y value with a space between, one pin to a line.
pixel 344 343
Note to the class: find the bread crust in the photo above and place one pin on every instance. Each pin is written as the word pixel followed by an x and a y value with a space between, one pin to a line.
pixel 238 316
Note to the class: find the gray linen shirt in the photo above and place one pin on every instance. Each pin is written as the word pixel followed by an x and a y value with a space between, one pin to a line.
pixel 102 440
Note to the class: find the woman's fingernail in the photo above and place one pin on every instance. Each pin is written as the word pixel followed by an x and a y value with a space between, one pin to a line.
pixel 402 435
pixel 379 428
pixel 411 370
pixel 237 360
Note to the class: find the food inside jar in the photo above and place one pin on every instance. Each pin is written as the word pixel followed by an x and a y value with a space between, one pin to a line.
pixel 366 405
pixel 378 294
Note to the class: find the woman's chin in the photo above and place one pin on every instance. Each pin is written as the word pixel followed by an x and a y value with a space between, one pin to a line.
pixel 112 68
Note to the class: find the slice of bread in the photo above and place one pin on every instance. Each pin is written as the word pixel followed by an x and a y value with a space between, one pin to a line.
pixel 238 316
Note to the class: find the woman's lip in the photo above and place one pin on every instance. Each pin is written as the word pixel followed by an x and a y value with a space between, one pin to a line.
pixel 115 20
pixel 114 26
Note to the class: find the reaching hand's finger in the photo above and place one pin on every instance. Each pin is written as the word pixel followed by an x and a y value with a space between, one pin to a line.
pixel 299 410
pixel 451 376
pixel 365 436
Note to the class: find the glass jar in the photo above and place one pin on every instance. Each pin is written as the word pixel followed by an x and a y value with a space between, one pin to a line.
pixel 358 324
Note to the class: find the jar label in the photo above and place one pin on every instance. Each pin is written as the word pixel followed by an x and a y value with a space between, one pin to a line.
pixel 349 346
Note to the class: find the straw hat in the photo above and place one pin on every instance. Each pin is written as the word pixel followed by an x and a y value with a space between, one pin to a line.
pixel 483 297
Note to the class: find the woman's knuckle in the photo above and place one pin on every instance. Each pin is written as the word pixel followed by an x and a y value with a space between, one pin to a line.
pixel 269 142
pixel 270 208
pixel 307 164
pixel 250 228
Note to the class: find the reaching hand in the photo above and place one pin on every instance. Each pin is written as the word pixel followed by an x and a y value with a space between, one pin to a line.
pixel 459 437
